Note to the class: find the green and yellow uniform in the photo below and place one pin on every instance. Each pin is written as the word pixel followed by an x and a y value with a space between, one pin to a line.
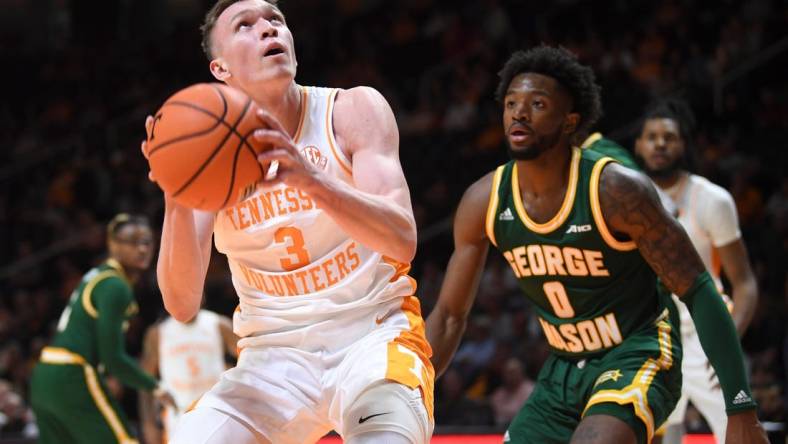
pixel 615 349
pixel 607 147
pixel 68 394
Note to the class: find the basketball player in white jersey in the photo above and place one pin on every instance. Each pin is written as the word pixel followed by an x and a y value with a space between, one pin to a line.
pixel 188 358
pixel 331 332
pixel 708 214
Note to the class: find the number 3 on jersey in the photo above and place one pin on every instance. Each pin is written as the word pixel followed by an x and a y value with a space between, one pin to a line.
pixel 298 256
pixel 556 294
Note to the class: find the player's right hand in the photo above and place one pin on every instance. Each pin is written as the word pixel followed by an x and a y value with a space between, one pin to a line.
pixel 143 145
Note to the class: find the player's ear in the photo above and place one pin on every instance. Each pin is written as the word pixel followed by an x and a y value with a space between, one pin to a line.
pixel 570 123
pixel 219 69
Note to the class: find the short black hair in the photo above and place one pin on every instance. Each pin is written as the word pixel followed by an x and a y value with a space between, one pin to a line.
pixel 563 66
pixel 678 110
pixel 122 219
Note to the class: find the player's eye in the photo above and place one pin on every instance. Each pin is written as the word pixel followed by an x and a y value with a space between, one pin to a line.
pixel 538 104
pixel 510 104
pixel 243 24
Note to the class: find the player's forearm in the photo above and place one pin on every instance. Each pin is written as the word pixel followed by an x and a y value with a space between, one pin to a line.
pixel 147 417
pixel 183 261
pixel 126 370
pixel 444 332
pixel 745 299
pixel 375 221
pixel 720 342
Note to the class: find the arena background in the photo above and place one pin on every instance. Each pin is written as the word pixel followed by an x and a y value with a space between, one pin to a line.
pixel 81 76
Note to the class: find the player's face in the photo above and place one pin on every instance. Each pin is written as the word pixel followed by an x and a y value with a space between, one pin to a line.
pixel 660 146
pixel 536 114
pixel 253 46
pixel 132 246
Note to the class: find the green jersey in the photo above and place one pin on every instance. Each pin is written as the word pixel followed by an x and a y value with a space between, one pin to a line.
pixel 93 324
pixel 591 290
pixel 607 147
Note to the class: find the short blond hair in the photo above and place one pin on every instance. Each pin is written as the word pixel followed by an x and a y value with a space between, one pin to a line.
pixel 210 21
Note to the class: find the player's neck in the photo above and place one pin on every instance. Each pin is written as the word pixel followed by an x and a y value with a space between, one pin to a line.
pixel 545 173
pixel 285 105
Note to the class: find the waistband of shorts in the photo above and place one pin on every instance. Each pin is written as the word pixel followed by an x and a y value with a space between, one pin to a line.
pixel 59 355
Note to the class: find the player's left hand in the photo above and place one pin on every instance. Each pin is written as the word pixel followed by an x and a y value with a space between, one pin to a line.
pixel 744 428
pixel 164 398
pixel 293 169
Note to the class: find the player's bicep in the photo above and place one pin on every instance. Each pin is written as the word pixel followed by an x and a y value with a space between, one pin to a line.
pixel 735 261
pixel 366 127
pixel 380 173
pixel 631 208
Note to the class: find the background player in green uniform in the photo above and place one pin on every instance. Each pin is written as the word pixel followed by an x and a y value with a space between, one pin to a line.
pixel 583 235
pixel 68 394
pixel 610 148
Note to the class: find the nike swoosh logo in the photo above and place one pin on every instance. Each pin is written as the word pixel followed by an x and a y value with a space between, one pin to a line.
pixel 364 419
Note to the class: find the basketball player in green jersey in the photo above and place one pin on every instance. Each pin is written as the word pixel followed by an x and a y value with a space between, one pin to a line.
pixel 68 394
pixel 586 239
pixel 610 148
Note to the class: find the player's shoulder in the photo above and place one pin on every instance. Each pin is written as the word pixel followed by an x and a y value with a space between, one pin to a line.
pixel 709 189
pixel 109 281
pixel 620 184
pixel 615 175
pixel 359 99
pixel 479 190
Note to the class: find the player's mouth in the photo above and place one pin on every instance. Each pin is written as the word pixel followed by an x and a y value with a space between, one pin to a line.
pixel 660 160
pixel 519 134
pixel 273 50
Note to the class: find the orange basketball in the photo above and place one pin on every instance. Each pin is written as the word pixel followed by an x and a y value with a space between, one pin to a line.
pixel 200 147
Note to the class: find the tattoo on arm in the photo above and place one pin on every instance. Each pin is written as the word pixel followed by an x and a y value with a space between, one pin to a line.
pixel 631 207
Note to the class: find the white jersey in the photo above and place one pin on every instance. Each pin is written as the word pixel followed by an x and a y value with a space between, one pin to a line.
pixel 708 214
pixel 191 356
pixel 293 267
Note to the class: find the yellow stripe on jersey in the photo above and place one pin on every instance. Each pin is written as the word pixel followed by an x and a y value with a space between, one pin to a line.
pixel 492 205
pixel 87 303
pixel 566 206
pixel 105 408
pixel 596 209
pixel 119 268
pixel 332 142
pixel 591 139
pixel 636 393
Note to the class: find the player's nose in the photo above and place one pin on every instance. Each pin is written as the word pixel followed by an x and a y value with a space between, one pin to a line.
pixel 266 29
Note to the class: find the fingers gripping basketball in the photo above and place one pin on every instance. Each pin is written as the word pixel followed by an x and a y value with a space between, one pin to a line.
pixel 200 146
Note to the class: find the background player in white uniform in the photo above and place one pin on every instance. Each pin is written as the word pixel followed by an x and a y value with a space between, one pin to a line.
pixel 708 214
pixel 331 332
pixel 188 358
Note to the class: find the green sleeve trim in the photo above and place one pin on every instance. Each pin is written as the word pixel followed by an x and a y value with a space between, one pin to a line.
pixel 720 342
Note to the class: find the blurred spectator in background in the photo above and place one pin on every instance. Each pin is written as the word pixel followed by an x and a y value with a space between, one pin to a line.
pixel 507 399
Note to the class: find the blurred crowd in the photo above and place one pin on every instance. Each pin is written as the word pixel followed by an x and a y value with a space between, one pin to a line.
pixel 82 76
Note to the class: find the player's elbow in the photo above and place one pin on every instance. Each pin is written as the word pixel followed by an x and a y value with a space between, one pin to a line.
pixel 179 304
pixel 405 249
pixel 180 312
